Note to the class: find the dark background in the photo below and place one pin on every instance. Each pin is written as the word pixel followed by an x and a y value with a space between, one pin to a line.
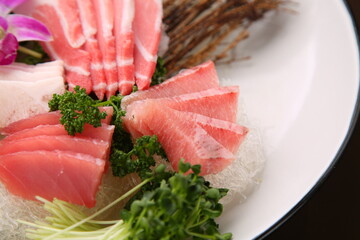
pixel 333 210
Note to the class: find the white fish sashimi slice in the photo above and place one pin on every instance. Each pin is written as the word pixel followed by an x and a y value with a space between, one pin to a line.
pixel 124 35
pixel 88 20
pixel 52 65
pixel 104 11
pixel 31 98
pixel 147 30
pixel 31 73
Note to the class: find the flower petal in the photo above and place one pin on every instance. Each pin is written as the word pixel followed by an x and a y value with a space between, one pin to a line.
pixel 27 28
pixel 6 6
pixel 3 24
pixel 8 49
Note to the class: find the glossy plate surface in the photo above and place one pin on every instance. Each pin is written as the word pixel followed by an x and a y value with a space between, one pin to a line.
pixel 300 89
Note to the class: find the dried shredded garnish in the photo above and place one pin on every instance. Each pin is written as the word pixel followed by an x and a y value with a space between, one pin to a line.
pixel 199 29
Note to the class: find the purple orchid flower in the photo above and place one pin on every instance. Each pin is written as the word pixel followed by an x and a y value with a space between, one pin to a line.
pixel 15 28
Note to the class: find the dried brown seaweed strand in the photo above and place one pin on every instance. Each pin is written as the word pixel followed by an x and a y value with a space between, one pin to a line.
pixel 199 28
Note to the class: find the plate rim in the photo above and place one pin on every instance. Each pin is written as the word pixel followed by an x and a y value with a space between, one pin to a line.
pixel 354 120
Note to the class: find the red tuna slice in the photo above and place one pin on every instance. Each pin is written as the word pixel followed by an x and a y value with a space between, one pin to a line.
pixel 103 133
pixel 147 32
pixel 72 177
pixel 195 79
pixel 179 138
pixel 88 20
pixel 124 35
pixel 76 61
pixel 49 118
pixel 93 147
pixel 39 119
pixel 220 102
pixel 105 24
pixel 229 134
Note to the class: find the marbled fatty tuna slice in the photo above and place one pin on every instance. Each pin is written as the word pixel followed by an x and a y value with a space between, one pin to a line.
pixel 220 102
pixel 63 21
pixel 88 21
pixel 147 32
pixel 124 35
pixel 49 118
pixel 76 60
pixel 68 176
pixel 104 12
pixel 93 147
pixel 103 133
pixel 179 138
pixel 228 134
pixel 195 79
pixel 67 13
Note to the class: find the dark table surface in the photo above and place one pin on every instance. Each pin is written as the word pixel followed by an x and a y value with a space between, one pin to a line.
pixel 333 210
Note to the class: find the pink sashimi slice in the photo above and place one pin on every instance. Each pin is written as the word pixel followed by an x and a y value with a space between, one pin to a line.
pixel 67 13
pixel 104 132
pixel 179 138
pixel 93 147
pixel 76 61
pixel 39 119
pixel 228 134
pixel 147 32
pixel 124 35
pixel 49 118
pixel 96 68
pixel 195 79
pixel 72 177
pixel 88 20
pixel 219 103
pixel 104 13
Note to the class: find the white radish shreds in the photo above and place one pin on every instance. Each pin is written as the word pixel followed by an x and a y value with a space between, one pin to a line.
pixel 13 208
pixel 244 174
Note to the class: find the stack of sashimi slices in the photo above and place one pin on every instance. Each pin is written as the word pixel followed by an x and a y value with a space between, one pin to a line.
pixel 106 45
pixel 25 89
pixel 39 158
pixel 193 117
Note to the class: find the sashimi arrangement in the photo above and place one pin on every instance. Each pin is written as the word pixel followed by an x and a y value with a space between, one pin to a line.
pixel 101 112
pixel 106 45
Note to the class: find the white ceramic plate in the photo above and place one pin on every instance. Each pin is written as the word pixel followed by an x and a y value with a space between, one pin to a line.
pixel 300 89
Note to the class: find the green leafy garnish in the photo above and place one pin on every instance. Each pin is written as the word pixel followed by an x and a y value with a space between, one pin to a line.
pixel 160 72
pixel 77 108
pixel 29 58
pixel 139 159
pixel 181 207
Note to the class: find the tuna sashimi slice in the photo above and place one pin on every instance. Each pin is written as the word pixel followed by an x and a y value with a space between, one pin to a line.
pixel 124 35
pixel 76 61
pixel 93 147
pixel 195 79
pixel 72 177
pixel 88 20
pixel 219 102
pixel 147 32
pixel 67 13
pixel 39 119
pixel 49 118
pixel 179 138
pixel 104 132
pixel 228 134
pixel 104 12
